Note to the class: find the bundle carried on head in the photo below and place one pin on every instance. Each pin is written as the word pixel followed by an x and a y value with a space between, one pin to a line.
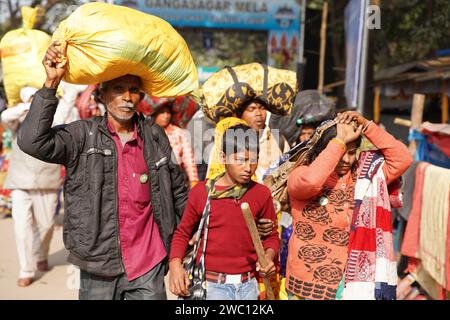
pixel 309 108
pixel 276 177
pixel 226 91
pixel 22 51
pixel 106 41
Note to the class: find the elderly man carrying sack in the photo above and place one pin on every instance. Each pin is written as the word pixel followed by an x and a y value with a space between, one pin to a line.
pixel 123 195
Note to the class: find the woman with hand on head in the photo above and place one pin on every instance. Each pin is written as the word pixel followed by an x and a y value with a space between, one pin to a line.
pixel 341 214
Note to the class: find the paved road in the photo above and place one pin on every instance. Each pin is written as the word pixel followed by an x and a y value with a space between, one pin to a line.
pixel 60 283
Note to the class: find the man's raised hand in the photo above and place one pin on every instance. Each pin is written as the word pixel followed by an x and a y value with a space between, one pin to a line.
pixel 55 64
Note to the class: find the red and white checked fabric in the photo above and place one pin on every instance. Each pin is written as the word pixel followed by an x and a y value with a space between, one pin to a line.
pixel 371 271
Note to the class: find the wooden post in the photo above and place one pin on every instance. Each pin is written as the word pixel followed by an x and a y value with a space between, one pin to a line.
pixel 416 118
pixel 248 216
pixel 444 106
pixel 376 105
pixel 323 45
pixel 402 122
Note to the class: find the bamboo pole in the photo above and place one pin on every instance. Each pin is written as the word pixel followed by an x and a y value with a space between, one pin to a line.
pixel 403 122
pixel 248 216
pixel 376 105
pixel 444 106
pixel 416 118
pixel 323 45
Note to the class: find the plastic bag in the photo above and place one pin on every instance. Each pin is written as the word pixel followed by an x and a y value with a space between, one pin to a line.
pixel 278 173
pixel 227 90
pixel 22 51
pixel 106 41
pixel 310 107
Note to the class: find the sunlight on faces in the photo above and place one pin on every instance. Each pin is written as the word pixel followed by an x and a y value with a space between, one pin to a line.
pixel 241 166
pixel 255 115
pixel 347 161
pixel 240 154
pixel 121 97
pixel 163 117
pixel 306 133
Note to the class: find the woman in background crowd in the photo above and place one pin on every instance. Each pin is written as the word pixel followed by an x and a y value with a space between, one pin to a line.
pixel 162 113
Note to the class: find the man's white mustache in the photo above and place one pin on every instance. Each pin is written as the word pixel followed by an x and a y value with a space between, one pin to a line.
pixel 128 105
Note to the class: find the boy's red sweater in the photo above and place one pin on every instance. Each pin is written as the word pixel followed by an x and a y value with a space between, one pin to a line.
pixel 229 247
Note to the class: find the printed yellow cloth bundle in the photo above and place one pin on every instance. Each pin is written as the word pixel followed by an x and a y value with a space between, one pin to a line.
pixel 227 90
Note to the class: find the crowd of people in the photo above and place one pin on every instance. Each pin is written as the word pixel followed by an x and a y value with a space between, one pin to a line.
pixel 143 197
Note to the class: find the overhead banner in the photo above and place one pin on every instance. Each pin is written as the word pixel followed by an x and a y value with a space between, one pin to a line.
pixel 227 14
pixel 280 20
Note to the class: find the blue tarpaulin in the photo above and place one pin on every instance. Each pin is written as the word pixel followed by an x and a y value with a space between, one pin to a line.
pixel 428 152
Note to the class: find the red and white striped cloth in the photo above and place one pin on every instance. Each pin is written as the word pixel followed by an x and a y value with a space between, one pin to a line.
pixel 183 151
pixel 371 271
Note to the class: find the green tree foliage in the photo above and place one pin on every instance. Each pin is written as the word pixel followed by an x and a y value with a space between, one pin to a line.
pixel 411 30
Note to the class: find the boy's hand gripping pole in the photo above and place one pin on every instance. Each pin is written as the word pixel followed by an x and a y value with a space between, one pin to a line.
pixel 248 216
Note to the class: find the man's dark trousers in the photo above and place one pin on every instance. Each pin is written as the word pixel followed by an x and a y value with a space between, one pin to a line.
pixel 149 286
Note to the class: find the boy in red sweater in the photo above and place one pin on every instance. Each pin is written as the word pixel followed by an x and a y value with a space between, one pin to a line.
pixel 230 256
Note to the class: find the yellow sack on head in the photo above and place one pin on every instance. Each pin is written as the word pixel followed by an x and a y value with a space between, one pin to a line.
pixel 22 51
pixel 106 41
pixel 227 90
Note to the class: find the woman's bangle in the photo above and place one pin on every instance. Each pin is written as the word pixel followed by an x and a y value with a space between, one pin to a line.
pixel 342 143
pixel 367 125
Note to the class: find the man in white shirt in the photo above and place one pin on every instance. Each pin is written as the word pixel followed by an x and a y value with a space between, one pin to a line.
pixel 34 196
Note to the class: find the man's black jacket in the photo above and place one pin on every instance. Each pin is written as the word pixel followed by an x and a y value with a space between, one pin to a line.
pixel 86 149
